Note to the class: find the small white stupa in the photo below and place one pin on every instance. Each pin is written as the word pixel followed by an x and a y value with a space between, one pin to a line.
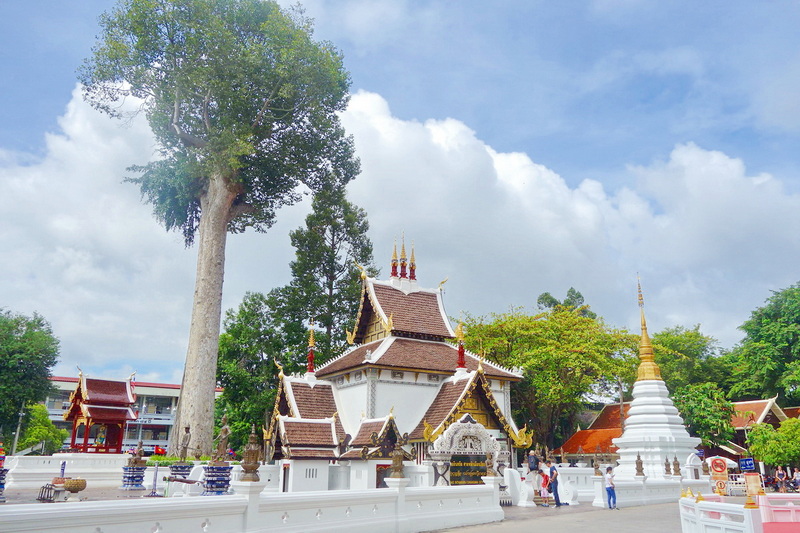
pixel 654 429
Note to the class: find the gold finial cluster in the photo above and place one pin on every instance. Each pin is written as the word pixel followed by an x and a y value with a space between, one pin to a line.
pixel 312 343
pixel 648 369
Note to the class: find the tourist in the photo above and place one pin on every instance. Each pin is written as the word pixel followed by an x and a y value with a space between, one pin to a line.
pixel 780 476
pixel 553 471
pixel 796 479
pixel 610 489
pixel 533 463
pixel 543 492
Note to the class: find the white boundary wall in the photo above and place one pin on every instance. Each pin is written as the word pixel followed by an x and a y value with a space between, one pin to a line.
pixel 397 508
pixel 715 515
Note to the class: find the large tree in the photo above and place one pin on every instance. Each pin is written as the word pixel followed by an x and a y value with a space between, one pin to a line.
pixel 706 412
pixel 326 284
pixel 688 357
pixel 38 429
pixel 248 347
pixel 768 359
pixel 776 447
pixel 563 355
pixel 28 350
pixel 243 104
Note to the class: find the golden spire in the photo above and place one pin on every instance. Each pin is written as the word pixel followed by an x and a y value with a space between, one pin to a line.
pixel 648 369
pixel 412 260
pixel 311 342
pixel 394 251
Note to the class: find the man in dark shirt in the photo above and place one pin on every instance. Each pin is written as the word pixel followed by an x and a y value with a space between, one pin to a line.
pixel 554 482
pixel 533 462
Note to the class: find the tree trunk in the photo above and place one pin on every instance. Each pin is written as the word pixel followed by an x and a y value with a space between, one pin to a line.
pixel 196 402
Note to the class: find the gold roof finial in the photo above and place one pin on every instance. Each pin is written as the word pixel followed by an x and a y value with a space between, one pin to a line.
pixel 394 250
pixel 460 332
pixel 362 269
pixel 648 369
pixel 412 260
pixel 311 341
pixel 280 367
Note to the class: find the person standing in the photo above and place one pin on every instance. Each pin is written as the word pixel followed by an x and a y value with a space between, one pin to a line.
pixel 543 492
pixel 796 478
pixel 554 481
pixel 533 463
pixel 610 489
pixel 780 475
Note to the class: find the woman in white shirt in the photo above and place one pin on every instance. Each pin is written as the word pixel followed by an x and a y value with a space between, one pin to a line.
pixel 612 494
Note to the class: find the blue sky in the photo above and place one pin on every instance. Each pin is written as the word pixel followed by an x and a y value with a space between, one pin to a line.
pixel 524 146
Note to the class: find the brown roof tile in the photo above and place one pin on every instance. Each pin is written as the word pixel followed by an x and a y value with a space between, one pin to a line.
pixel 298 432
pixel 608 417
pixel 413 354
pixel 366 429
pixel 315 402
pixel 104 391
pixel 590 439
pixel 416 312
pixel 791 412
pixel 302 453
pixel 442 405
pixel 111 414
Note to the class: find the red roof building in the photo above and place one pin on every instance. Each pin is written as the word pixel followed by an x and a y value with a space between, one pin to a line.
pixel 99 409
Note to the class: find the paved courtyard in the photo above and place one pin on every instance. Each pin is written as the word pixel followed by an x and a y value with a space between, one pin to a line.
pixel 661 518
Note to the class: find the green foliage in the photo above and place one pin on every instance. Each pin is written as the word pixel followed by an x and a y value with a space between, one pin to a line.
pixel 232 89
pixel 38 428
pixel 28 350
pixel 776 447
pixel 251 342
pixel 574 300
pixel 767 362
pixel 326 284
pixel 688 357
pixel 563 355
pixel 706 412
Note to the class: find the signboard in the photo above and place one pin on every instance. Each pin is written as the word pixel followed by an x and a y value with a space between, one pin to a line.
pixel 719 469
pixel 747 463
pixel 467 469
pixel 752 483
pixel 721 486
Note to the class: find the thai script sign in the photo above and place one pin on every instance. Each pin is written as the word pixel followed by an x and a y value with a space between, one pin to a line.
pixel 467 469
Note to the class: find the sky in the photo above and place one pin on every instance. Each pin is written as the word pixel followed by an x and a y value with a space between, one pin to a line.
pixel 522 146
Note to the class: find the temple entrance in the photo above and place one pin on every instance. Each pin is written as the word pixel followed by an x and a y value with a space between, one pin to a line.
pixel 461 454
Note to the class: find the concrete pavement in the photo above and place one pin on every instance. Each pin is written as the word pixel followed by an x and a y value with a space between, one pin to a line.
pixel 660 518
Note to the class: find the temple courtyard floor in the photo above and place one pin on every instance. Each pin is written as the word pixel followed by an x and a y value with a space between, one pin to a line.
pixel 659 518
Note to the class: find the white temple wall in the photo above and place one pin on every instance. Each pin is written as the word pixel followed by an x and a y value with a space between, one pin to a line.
pixel 409 400
pixel 307 475
pixel 351 399
pixel 249 510
pixel 363 474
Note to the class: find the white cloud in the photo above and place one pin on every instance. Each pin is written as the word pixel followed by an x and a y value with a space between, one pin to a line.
pixel 709 239
pixel 80 247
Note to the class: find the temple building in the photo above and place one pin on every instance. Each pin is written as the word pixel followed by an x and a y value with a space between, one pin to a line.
pixel 405 381
pixel 99 409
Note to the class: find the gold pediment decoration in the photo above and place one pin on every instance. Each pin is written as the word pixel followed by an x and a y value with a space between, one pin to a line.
pixel 523 438
pixel 351 336
pixel 388 325
pixel 429 433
